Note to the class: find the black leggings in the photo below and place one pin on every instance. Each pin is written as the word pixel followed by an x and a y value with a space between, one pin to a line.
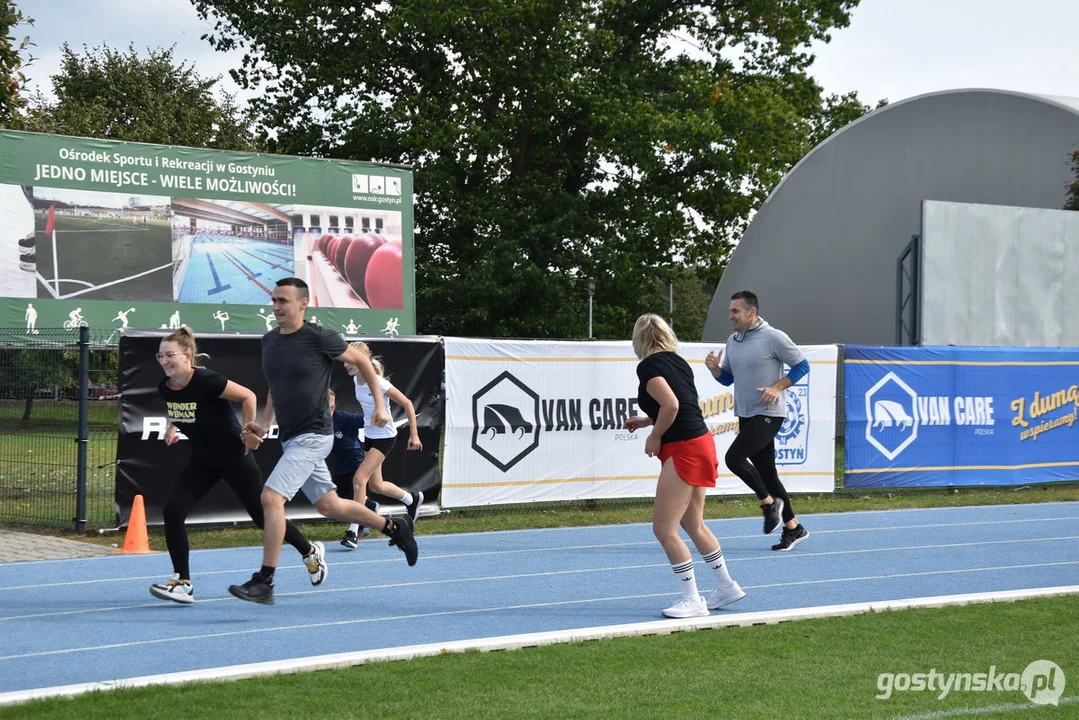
pixel 195 480
pixel 752 457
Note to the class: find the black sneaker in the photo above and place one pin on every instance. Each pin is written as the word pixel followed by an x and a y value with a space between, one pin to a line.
pixel 790 538
pixel 414 509
pixel 350 540
pixel 773 515
pixel 371 504
pixel 256 590
pixel 401 536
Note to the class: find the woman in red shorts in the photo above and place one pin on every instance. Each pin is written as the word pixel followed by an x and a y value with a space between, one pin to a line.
pixel 681 441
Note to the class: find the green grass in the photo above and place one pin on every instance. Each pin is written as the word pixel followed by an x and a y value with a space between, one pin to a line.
pixel 38 462
pixel 806 669
pixel 57 416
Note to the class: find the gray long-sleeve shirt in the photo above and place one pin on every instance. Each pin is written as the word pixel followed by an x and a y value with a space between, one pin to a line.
pixel 756 358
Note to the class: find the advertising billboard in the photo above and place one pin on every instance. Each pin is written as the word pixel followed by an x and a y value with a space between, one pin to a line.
pixel 542 421
pixel 117 235
pixel 951 416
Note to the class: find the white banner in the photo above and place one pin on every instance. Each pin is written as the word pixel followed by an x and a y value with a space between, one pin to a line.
pixel 536 421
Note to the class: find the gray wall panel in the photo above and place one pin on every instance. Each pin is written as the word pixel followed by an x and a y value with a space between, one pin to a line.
pixel 999 276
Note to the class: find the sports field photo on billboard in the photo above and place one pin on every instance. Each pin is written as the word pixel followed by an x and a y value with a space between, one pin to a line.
pixel 101 245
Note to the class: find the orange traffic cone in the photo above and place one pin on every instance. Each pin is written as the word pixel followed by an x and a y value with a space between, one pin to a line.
pixel 136 542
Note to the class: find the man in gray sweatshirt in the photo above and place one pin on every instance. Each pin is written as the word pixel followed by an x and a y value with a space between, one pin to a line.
pixel 753 361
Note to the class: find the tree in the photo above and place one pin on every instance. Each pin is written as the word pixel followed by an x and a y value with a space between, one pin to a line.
pixel 1072 201
pixel 837 112
pixel 692 300
pixel 551 140
pixel 12 62
pixel 105 93
pixel 28 373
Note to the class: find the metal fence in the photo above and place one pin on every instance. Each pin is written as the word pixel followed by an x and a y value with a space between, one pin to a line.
pixel 58 424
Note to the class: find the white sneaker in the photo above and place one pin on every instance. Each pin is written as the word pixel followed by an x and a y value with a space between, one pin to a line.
pixel 316 563
pixel 725 596
pixel 180 592
pixel 687 608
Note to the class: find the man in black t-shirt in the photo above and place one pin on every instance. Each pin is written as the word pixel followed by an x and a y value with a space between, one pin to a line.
pixel 297 359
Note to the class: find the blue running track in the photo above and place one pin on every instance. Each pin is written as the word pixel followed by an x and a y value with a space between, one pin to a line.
pixel 66 622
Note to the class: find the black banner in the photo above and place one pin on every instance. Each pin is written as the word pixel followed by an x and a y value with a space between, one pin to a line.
pixel 146 466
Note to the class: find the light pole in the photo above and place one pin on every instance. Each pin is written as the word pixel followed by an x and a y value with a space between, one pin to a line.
pixel 591 292
pixel 670 304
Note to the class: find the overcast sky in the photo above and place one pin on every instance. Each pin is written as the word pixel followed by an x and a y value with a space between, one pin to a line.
pixel 892 49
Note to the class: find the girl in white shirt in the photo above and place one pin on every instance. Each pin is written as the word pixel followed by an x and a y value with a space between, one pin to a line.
pixel 379 441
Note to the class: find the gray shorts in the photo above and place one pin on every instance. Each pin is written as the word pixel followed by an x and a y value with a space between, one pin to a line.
pixel 303 467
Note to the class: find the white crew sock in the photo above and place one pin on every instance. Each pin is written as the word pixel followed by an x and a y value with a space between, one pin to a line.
pixel 354 528
pixel 407 497
pixel 687 583
pixel 714 560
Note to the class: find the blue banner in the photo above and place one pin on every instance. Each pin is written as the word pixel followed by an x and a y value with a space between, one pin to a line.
pixel 960 416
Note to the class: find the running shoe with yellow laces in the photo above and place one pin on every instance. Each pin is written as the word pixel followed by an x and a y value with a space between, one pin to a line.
pixel 316 563
pixel 176 590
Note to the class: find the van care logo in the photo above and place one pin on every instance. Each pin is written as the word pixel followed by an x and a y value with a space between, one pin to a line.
pixel 508 416
pixel 892 408
pixel 505 421
pixel 895 411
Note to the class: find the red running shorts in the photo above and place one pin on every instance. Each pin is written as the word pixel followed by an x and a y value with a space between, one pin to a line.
pixel 694 460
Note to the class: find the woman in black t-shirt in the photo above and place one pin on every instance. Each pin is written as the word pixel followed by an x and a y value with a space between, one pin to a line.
pixel 199 403
pixel 680 439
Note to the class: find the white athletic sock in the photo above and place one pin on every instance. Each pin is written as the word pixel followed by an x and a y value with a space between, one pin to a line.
pixel 407 497
pixel 354 528
pixel 687 583
pixel 714 560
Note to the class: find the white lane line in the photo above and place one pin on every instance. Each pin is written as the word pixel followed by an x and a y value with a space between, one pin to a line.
pixel 515 642
pixel 924 573
pixel 384 586
pixel 553 573
pixel 498 553
pixel 960 712
pixel 923 526
pixel 822 516
pixel 334 623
